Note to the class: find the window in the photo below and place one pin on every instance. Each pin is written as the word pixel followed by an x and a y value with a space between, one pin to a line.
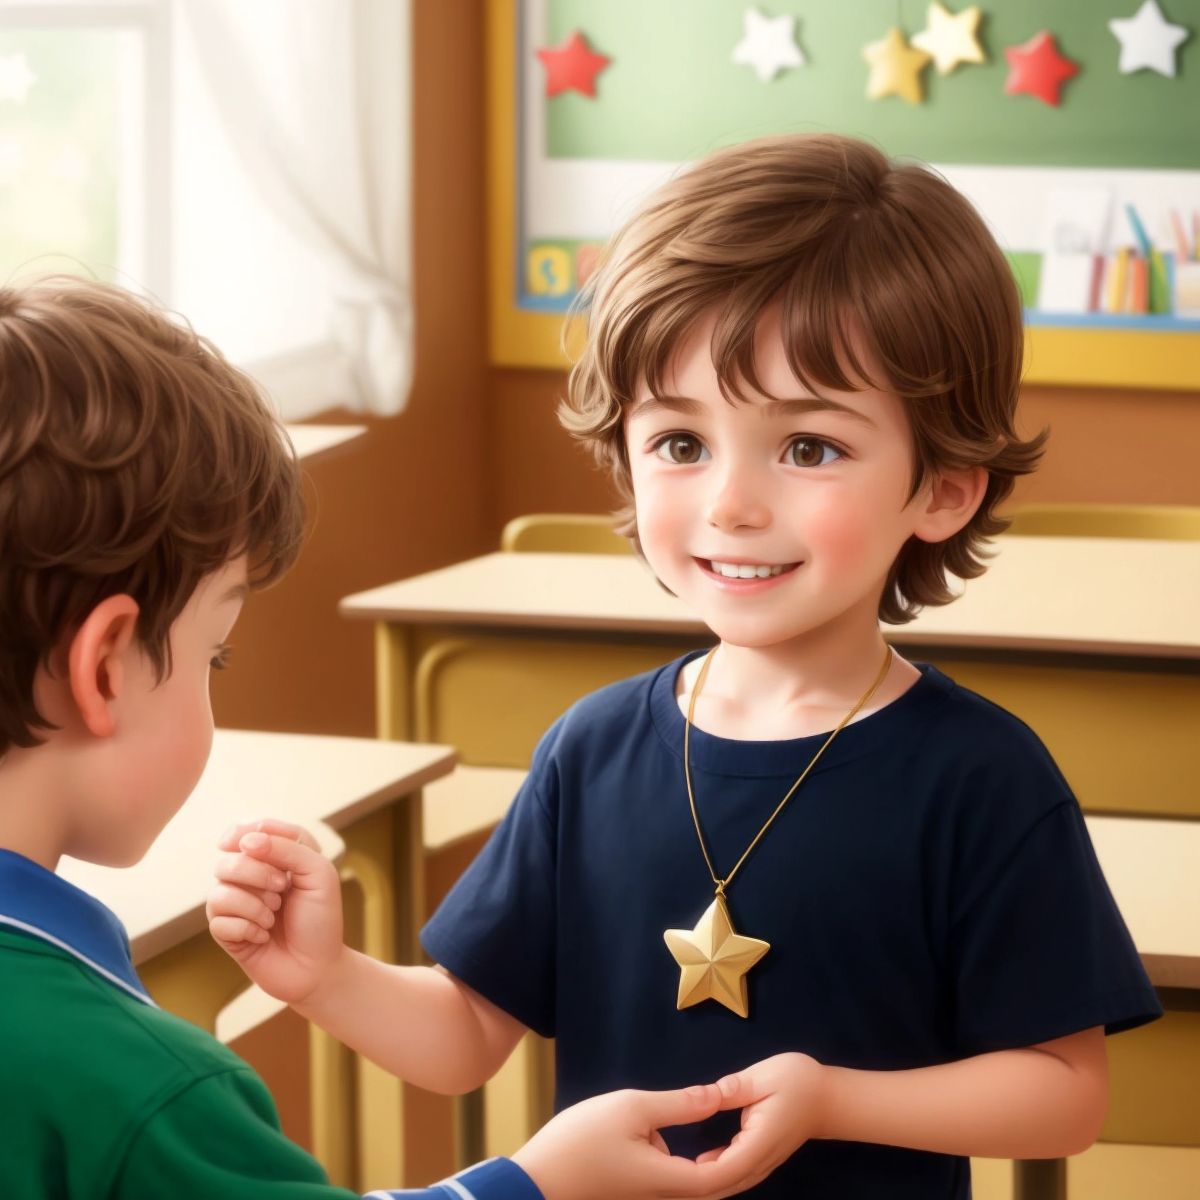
pixel 245 163
pixel 82 159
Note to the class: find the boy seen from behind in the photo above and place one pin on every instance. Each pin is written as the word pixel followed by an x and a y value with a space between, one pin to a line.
pixel 145 490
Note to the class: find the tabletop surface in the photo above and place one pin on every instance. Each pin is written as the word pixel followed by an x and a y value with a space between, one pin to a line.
pixel 1093 595
pixel 314 781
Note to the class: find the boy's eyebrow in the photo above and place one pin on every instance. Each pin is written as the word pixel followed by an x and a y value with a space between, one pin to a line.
pixel 793 406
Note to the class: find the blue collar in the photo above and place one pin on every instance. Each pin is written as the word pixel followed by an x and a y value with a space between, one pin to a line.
pixel 40 903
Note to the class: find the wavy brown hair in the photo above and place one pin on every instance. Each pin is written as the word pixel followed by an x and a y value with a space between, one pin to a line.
pixel 133 459
pixel 885 277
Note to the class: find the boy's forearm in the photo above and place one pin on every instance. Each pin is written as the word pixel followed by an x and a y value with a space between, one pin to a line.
pixel 1025 1103
pixel 413 1021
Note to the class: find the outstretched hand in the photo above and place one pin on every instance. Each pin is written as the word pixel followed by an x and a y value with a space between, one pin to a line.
pixel 610 1146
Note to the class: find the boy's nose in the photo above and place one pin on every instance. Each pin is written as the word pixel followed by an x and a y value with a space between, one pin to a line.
pixel 734 505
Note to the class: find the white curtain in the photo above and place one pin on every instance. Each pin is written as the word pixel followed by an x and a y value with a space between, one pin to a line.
pixel 315 98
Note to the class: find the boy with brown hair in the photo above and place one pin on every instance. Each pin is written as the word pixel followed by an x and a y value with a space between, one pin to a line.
pixel 860 894
pixel 145 490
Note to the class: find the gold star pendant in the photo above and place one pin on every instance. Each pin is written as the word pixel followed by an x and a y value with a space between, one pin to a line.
pixel 713 960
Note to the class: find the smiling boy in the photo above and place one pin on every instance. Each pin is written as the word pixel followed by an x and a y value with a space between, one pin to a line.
pixel 862 895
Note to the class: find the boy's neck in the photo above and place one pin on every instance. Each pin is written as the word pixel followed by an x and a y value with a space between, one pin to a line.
pixel 794 689
pixel 32 823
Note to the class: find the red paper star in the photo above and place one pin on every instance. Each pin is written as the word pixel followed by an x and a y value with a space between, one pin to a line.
pixel 572 65
pixel 1038 69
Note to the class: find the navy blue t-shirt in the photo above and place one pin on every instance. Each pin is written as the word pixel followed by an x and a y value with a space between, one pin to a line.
pixel 930 893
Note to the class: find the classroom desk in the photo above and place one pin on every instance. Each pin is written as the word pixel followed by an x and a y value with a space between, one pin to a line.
pixel 1094 642
pixel 361 797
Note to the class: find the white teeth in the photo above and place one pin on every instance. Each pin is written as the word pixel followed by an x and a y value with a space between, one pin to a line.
pixel 745 570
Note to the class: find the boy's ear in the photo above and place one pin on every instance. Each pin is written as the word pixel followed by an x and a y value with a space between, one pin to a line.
pixel 953 499
pixel 95 663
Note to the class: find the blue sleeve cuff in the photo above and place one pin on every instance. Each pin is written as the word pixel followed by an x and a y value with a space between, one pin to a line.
pixel 496 1179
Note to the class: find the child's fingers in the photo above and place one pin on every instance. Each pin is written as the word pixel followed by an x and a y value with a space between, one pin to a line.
pixel 305 865
pixel 243 871
pixel 226 901
pixel 232 836
pixel 234 931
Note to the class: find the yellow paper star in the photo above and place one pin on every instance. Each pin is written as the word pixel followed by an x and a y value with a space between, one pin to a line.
pixel 713 960
pixel 950 37
pixel 895 68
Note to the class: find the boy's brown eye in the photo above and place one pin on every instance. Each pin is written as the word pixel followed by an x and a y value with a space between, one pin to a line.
pixel 681 448
pixel 812 452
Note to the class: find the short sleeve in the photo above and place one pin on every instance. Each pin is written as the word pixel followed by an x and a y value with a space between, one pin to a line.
pixel 496 929
pixel 219 1136
pixel 1041 951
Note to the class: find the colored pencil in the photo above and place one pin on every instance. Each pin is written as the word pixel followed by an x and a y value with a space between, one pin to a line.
pixel 1139 230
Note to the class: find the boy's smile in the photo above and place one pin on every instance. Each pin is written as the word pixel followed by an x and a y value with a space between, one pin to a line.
pixel 740 576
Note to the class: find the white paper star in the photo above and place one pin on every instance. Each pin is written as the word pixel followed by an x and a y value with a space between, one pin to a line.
pixel 1148 40
pixel 15 78
pixel 768 44
pixel 950 37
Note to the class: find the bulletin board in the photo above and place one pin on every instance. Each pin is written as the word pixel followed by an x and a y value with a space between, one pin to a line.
pixel 565 171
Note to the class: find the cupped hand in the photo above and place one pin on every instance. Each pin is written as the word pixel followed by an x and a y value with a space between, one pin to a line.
pixel 783 1101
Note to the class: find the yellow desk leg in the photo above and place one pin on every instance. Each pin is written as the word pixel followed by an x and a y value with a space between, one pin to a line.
pixel 381 861
pixel 518 1100
pixel 1040 1179
pixel 331 1105
pixel 393 682
pixel 194 980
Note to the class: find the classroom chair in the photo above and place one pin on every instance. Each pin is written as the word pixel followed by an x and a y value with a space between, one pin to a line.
pixel 1169 522
pixel 563 533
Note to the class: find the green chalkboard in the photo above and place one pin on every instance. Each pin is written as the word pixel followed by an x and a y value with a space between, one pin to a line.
pixel 672 92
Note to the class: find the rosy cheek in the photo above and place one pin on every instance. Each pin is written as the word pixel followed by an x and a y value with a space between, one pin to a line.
pixel 842 533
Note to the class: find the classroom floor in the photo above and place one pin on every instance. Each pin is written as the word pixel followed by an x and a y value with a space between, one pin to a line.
pixel 1106 1173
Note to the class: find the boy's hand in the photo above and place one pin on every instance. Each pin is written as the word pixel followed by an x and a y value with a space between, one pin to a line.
pixel 610 1147
pixel 277 908
pixel 783 1102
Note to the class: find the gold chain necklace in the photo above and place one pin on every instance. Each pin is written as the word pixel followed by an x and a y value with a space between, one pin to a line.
pixel 713 959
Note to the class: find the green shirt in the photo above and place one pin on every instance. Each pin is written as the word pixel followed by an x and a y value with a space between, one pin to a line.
pixel 104 1096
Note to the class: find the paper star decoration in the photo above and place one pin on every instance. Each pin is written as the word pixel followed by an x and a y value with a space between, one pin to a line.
pixel 768 44
pixel 895 68
pixel 1148 40
pixel 713 960
pixel 1037 68
pixel 15 78
pixel 950 37
pixel 573 66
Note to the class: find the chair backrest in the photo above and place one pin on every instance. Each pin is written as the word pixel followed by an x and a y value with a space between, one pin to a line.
pixel 1165 521
pixel 563 533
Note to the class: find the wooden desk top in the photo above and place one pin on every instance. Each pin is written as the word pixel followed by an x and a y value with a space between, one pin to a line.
pixel 1151 868
pixel 325 783
pixel 1092 595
